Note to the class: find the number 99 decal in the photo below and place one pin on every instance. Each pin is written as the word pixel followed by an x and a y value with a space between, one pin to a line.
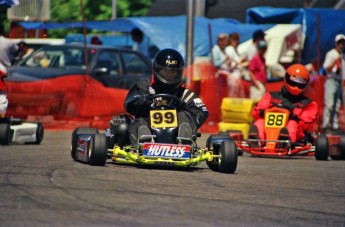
pixel 163 118
pixel 275 120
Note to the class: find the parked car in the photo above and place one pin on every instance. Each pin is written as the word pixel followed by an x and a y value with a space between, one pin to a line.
pixel 55 80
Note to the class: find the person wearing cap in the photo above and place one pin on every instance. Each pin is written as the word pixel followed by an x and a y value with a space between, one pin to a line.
pixel 220 59
pixel 334 66
pixel 258 35
pixel 257 72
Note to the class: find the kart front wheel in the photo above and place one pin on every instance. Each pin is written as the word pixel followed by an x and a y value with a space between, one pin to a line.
pixel 5 134
pixel 321 148
pixel 75 135
pixel 98 151
pixel 229 156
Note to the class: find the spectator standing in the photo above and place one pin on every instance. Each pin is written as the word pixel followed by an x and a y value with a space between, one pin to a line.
pixel 220 59
pixel 252 49
pixel 257 72
pixel 237 66
pixel 334 66
pixel 8 50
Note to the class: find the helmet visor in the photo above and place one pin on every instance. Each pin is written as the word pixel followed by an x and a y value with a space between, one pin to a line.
pixel 169 76
pixel 295 81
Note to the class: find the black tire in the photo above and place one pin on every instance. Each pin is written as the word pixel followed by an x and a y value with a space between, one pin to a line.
pixel 216 141
pixel 342 149
pixel 5 134
pixel 239 152
pixel 229 157
pixel 98 151
pixel 39 134
pixel 321 148
pixel 75 133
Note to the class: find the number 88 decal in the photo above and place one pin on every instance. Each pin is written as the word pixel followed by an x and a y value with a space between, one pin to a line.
pixel 275 119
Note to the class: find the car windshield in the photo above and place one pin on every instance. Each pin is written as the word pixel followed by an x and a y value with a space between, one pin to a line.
pixel 58 57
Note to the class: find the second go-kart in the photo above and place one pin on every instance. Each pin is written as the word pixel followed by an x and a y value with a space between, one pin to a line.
pixel 15 130
pixel 275 119
pixel 162 147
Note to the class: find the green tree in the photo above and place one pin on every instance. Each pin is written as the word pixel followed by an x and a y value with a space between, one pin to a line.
pixel 3 17
pixel 70 10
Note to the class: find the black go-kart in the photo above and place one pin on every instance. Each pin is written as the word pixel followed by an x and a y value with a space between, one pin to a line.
pixel 162 147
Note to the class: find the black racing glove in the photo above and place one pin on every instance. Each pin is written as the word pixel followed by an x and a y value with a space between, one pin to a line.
pixel 261 113
pixel 294 117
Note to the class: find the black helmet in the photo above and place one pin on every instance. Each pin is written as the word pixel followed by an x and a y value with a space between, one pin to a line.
pixel 168 69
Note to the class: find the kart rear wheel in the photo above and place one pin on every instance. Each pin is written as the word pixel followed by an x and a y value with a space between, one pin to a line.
pixel 5 134
pixel 98 151
pixel 76 132
pixel 224 146
pixel 214 142
pixel 342 149
pixel 39 134
pixel 321 148
pixel 229 156
pixel 239 151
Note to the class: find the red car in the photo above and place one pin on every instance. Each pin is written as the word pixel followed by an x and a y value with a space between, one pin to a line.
pixel 55 80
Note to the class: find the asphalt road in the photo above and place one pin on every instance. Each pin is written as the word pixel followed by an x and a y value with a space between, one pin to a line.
pixel 40 185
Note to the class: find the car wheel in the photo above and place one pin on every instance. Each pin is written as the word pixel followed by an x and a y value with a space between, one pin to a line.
pixel 321 148
pixel 229 157
pixel 5 134
pixel 98 150
pixel 76 133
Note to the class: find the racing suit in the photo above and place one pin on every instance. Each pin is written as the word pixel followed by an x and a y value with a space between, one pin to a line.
pixel 303 115
pixel 193 111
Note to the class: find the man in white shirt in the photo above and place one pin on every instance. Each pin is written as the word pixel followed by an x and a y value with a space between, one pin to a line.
pixel 334 65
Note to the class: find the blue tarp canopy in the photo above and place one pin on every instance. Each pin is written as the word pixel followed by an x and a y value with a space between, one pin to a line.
pixel 9 3
pixel 165 32
pixel 320 26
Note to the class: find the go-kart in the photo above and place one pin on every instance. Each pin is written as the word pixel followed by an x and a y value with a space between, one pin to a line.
pixel 160 148
pixel 15 130
pixel 275 119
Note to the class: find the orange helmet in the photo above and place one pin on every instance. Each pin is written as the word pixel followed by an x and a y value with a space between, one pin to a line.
pixel 296 79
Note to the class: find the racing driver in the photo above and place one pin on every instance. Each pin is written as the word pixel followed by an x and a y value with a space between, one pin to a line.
pixel 303 111
pixel 168 65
